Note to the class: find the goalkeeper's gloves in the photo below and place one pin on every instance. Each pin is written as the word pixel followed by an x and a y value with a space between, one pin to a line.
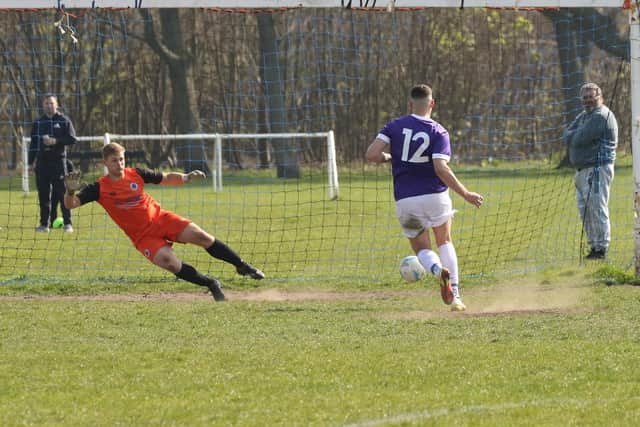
pixel 72 182
pixel 195 174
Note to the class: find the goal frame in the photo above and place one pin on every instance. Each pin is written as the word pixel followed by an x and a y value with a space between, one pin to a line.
pixel 295 4
pixel 632 8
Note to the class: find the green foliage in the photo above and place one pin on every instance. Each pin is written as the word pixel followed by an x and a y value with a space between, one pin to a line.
pixel 611 275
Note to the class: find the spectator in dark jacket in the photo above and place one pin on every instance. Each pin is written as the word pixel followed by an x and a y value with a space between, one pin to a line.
pixel 50 135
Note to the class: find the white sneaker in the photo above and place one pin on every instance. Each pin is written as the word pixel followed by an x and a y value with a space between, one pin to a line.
pixel 458 305
pixel 68 228
pixel 42 229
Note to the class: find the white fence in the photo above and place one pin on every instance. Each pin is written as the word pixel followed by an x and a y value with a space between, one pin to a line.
pixel 217 138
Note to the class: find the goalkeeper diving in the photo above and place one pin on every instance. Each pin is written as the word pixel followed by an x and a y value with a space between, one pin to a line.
pixel 152 229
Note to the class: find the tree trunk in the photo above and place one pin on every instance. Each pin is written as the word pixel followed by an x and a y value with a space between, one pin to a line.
pixel 571 65
pixel 185 113
pixel 271 72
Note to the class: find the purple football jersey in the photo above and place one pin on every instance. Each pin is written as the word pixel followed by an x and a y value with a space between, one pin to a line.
pixel 414 142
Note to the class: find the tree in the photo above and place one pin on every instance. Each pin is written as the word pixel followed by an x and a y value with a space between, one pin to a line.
pixel 170 46
pixel 272 73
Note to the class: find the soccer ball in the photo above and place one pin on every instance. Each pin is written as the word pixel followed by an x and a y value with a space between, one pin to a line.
pixel 411 270
pixel 58 223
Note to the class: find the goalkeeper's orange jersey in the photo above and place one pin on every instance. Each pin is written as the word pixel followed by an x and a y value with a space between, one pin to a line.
pixel 125 200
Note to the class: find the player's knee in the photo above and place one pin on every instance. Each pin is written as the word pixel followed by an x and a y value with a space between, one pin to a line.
pixel 169 265
pixel 167 261
pixel 202 238
pixel 442 242
pixel 206 239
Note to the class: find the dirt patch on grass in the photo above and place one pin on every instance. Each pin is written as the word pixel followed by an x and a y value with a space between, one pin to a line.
pixel 517 299
pixel 268 295
pixel 514 298
pixel 529 297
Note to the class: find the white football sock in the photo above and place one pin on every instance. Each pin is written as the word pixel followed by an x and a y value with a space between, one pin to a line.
pixel 430 261
pixel 456 291
pixel 450 260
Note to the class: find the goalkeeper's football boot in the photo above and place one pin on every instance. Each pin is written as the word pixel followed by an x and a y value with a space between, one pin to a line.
pixel 248 270
pixel 216 290
pixel 458 305
pixel 446 291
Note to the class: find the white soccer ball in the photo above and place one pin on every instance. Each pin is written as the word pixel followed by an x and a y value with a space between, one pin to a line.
pixel 411 270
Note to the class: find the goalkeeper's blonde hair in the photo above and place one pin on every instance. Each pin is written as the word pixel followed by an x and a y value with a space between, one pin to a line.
pixel 112 148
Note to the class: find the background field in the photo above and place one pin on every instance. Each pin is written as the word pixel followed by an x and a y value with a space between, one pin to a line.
pixel 297 235
pixel 98 336
pixel 93 334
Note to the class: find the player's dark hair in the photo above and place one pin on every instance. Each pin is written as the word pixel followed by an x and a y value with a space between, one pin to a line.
pixel 422 91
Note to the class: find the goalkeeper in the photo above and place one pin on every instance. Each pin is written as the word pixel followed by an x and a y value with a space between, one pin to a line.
pixel 152 229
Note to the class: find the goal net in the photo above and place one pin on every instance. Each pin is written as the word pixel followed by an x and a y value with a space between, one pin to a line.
pixel 505 81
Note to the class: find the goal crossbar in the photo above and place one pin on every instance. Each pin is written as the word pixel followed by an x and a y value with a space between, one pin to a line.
pixel 270 4
pixel 217 138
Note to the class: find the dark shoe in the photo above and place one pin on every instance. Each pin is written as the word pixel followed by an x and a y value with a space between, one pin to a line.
pixel 216 290
pixel 249 270
pixel 597 254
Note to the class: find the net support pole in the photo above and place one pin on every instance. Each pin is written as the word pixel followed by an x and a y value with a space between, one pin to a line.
pixel 107 140
pixel 216 170
pixel 634 58
pixel 25 165
pixel 332 166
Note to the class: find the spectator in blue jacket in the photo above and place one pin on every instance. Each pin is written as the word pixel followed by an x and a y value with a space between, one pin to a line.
pixel 50 135
pixel 592 139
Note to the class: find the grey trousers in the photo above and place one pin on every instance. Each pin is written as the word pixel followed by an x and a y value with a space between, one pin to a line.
pixel 592 196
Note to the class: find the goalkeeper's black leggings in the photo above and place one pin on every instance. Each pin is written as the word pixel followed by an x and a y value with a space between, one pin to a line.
pixel 190 274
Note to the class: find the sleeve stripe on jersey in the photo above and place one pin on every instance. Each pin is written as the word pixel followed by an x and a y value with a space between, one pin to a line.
pixel 384 138
pixel 441 156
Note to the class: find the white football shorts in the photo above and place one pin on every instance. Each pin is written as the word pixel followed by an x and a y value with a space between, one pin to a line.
pixel 420 212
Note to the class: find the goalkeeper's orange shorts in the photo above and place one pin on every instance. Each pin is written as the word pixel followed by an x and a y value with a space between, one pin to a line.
pixel 162 232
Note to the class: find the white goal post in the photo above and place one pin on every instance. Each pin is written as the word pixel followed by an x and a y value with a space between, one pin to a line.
pixel 217 138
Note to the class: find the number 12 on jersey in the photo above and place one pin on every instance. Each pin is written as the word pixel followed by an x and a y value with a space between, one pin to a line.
pixel 418 154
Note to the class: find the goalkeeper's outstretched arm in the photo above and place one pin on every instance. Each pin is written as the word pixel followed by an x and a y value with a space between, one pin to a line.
pixel 71 201
pixel 177 178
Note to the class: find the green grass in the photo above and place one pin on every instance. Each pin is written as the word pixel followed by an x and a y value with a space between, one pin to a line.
pixel 289 228
pixel 92 334
pixel 556 348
